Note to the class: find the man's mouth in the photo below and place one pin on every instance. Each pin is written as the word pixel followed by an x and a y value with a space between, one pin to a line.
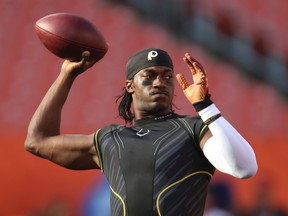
pixel 165 93
pixel 159 92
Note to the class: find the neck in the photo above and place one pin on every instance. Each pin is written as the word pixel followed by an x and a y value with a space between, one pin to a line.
pixel 155 115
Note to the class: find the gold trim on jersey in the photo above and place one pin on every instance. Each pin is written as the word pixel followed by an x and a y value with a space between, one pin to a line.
pixel 201 131
pixel 121 199
pixel 97 149
pixel 175 183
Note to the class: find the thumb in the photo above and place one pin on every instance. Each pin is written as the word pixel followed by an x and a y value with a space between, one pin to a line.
pixel 182 81
pixel 85 57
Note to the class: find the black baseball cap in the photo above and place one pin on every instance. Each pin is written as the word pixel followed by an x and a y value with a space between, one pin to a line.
pixel 147 58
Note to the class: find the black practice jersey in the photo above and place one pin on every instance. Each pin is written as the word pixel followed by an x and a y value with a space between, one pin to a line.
pixel 156 166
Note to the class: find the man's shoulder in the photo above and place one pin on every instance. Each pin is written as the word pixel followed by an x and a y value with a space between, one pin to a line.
pixel 191 121
pixel 112 127
pixel 188 117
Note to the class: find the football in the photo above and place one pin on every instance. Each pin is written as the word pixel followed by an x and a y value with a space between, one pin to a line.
pixel 68 36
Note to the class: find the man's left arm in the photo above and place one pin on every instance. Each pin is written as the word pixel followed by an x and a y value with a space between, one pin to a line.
pixel 226 149
pixel 222 144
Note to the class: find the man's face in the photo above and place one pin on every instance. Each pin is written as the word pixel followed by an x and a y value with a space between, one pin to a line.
pixel 152 90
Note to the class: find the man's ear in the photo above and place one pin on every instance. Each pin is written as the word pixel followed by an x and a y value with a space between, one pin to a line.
pixel 129 86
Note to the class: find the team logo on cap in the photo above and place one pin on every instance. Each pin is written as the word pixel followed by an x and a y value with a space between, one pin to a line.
pixel 152 54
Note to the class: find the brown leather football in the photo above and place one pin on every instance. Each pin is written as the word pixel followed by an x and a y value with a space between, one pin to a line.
pixel 68 36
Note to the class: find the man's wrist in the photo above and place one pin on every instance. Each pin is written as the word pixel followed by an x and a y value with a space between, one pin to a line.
pixel 203 104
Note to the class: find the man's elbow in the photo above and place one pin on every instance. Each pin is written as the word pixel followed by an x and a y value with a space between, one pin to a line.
pixel 30 146
pixel 247 172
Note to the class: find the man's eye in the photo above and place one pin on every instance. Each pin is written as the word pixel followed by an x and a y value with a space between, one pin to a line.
pixel 148 76
pixel 168 77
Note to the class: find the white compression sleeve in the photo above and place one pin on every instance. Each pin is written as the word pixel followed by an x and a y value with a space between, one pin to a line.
pixel 227 150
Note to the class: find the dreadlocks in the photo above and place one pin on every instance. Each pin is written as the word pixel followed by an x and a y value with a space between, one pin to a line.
pixel 124 108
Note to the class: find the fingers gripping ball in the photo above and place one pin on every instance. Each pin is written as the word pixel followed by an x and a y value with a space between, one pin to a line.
pixel 68 36
pixel 197 91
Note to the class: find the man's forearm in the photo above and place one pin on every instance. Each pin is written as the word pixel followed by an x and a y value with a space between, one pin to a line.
pixel 227 150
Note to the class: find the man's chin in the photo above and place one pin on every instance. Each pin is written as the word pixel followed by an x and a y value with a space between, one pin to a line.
pixel 160 107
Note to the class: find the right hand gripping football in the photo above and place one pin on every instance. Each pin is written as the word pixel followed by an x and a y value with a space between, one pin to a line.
pixel 78 67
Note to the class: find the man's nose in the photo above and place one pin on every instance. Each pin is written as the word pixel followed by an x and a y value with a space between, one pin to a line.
pixel 159 82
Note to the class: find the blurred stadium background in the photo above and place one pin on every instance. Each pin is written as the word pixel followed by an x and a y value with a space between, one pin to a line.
pixel 241 43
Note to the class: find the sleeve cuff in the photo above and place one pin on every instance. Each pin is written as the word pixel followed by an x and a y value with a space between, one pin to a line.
pixel 209 112
pixel 203 104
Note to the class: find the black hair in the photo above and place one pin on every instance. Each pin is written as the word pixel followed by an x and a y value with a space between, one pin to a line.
pixel 124 107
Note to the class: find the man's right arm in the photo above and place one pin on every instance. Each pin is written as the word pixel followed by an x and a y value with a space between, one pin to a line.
pixel 44 138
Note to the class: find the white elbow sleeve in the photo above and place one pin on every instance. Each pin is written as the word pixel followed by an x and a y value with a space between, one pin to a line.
pixel 227 150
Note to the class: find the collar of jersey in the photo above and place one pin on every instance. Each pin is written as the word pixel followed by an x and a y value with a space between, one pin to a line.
pixel 145 121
